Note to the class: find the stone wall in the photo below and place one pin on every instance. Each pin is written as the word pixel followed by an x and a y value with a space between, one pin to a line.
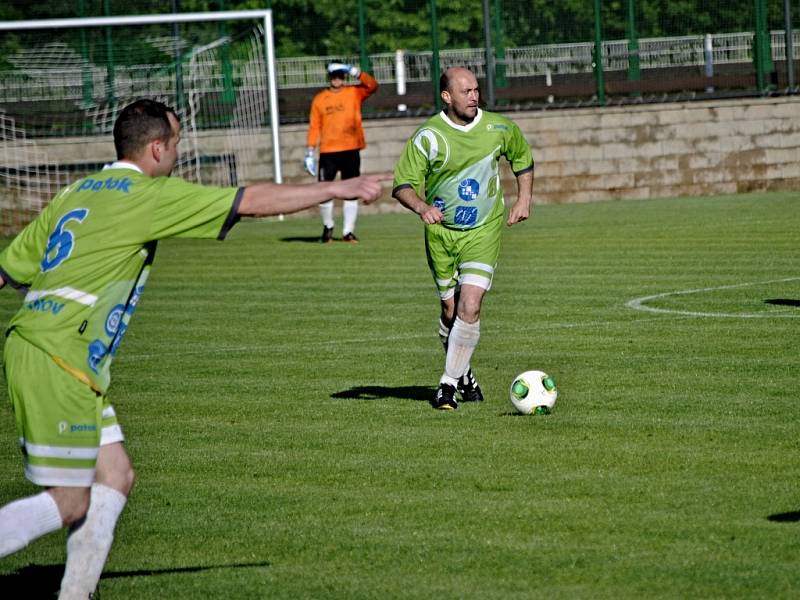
pixel 646 151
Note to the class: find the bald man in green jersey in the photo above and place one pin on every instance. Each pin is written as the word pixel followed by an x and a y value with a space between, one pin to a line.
pixel 449 175
pixel 82 264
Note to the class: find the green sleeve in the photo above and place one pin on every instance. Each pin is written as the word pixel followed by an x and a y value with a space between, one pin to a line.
pixel 518 152
pixel 412 166
pixel 188 210
pixel 21 261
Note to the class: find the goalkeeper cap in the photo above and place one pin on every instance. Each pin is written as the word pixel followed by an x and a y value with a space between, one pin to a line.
pixel 337 69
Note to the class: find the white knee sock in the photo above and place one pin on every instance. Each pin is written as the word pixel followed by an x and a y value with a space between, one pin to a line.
pixel 25 520
pixel 89 543
pixel 460 346
pixel 326 211
pixel 350 215
pixel 444 333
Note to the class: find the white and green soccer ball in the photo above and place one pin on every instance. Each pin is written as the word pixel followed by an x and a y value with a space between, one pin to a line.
pixel 533 392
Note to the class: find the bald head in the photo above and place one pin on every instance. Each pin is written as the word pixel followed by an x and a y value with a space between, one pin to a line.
pixel 460 94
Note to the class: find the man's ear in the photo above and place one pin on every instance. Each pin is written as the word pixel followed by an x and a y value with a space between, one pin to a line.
pixel 446 97
pixel 155 150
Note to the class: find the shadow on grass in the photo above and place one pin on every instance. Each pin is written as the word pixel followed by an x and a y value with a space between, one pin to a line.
pixel 305 239
pixel 787 517
pixel 379 392
pixel 44 581
pixel 783 301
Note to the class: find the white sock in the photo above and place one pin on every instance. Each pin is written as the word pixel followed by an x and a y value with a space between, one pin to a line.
pixel 89 543
pixel 444 333
pixel 350 215
pixel 460 346
pixel 27 519
pixel 326 211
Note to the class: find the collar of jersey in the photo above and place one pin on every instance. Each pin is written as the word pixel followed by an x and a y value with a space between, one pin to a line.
pixel 123 164
pixel 465 128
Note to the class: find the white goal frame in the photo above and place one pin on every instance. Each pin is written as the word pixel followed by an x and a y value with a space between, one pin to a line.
pixel 232 15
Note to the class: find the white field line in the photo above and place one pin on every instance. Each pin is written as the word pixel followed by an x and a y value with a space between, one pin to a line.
pixel 639 303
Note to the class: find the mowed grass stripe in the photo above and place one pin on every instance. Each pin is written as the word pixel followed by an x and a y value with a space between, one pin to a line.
pixel 274 395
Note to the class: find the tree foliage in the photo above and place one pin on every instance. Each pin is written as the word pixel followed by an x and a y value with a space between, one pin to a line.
pixel 330 27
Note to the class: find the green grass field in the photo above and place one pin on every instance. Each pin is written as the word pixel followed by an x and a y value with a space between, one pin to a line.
pixel 274 394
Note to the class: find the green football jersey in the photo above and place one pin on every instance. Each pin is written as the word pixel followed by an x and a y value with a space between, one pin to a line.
pixel 456 167
pixel 84 260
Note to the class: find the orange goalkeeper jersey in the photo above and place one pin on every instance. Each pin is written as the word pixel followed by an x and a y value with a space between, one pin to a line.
pixel 335 119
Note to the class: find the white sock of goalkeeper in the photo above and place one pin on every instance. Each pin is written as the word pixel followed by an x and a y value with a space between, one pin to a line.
pixel 326 211
pixel 350 211
pixel 460 346
pixel 27 519
pixel 89 543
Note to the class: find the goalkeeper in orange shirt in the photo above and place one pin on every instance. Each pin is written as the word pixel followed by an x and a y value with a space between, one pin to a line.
pixel 335 125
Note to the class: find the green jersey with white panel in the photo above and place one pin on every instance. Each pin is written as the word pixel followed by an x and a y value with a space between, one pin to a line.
pixel 83 262
pixel 456 167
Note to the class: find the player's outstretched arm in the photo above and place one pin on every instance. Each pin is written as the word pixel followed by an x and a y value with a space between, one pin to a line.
pixel 408 198
pixel 520 210
pixel 267 199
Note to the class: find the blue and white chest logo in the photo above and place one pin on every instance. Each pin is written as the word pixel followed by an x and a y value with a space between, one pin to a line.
pixel 439 203
pixel 468 190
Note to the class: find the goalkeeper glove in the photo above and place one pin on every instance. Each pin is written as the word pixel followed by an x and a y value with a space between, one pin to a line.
pixel 310 163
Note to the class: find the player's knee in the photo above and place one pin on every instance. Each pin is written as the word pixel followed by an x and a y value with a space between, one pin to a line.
pixel 122 480
pixel 469 311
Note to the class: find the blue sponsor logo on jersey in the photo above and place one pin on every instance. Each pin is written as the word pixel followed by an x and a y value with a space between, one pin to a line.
pixel 113 319
pixel 491 126
pixel 123 327
pixel 439 203
pixel 111 183
pixel 468 190
pixel 97 351
pixel 50 306
pixel 466 215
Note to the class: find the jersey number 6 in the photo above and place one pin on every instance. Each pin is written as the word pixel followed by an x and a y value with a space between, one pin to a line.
pixel 61 241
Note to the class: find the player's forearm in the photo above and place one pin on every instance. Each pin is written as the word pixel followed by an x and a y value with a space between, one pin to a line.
pixel 2 282
pixel 525 187
pixel 409 198
pixel 268 199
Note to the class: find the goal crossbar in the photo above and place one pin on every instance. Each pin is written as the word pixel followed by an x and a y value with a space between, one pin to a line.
pixel 231 15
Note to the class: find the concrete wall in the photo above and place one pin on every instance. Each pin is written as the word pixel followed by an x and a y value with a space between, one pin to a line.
pixel 647 151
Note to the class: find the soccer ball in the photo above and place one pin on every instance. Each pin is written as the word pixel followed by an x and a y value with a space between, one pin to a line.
pixel 533 392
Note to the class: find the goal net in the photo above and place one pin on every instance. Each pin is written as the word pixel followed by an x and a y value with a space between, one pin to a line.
pixel 61 89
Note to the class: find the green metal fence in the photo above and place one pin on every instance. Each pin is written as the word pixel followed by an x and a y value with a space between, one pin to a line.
pixel 527 54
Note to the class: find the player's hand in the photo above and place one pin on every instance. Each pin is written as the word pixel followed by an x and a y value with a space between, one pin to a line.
pixel 354 71
pixel 519 212
pixel 367 187
pixel 310 163
pixel 430 214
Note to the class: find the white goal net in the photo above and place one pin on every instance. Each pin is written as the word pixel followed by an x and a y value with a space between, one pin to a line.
pixel 61 89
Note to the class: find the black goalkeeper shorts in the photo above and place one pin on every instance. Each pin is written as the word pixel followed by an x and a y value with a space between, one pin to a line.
pixel 348 163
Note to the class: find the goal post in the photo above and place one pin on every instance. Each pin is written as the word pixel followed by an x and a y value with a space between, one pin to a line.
pixel 63 81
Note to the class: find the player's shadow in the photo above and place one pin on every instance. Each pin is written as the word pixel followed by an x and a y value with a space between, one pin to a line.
pixel 783 301
pixel 787 517
pixel 307 239
pixel 44 581
pixel 381 392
